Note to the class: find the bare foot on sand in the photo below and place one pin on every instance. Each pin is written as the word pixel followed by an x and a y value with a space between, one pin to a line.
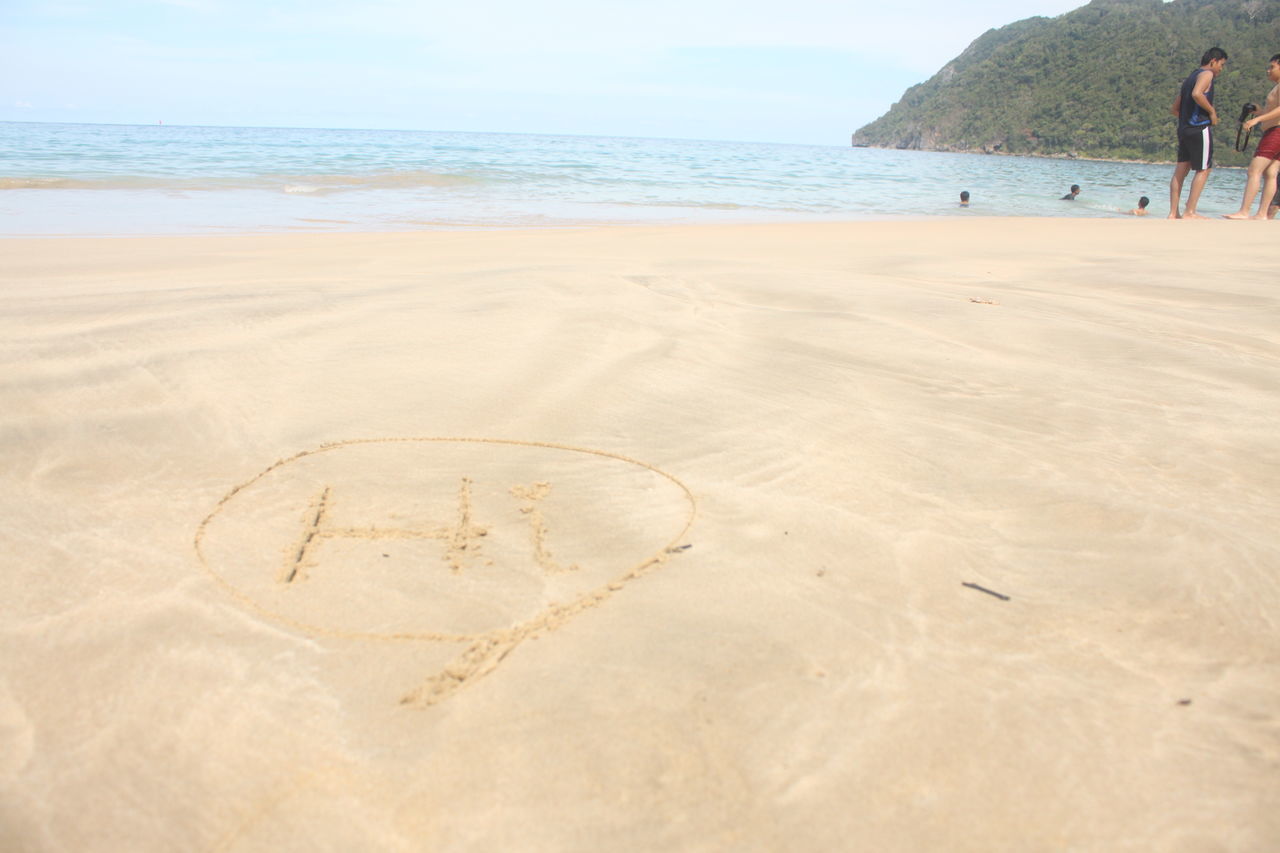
pixel 1236 215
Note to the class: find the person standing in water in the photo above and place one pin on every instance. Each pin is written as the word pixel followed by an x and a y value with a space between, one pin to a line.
pixel 1267 154
pixel 1196 118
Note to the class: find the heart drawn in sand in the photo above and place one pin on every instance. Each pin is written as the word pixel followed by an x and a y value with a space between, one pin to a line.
pixel 478 542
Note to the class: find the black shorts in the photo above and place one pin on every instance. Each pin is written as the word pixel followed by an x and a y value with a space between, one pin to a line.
pixel 1195 146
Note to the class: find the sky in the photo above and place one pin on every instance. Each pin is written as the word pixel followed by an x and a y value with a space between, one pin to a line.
pixel 798 71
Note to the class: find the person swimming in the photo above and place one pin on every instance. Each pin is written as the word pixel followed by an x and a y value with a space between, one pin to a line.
pixel 964 198
pixel 1141 209
pixel 1071 196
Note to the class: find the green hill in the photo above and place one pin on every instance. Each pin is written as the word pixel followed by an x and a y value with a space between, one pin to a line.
pixel 1096 82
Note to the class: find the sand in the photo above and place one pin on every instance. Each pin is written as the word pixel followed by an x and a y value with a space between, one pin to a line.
pixel 643 539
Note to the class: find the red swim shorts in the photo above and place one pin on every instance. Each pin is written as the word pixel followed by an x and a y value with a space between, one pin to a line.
pixel 1269 144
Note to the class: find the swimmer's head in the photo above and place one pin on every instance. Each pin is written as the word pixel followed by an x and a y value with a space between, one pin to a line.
pixel 964 196
pixel 1143 202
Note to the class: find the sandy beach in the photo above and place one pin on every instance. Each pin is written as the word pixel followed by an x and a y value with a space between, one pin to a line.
pixel 952 535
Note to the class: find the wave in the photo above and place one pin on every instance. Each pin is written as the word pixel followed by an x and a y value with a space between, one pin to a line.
pixel 41 183
pixel 699 205
pixel 374 181
pixel 286 183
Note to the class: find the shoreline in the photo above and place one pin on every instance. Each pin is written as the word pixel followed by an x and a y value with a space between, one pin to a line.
pixel 904 219
pixel 971 218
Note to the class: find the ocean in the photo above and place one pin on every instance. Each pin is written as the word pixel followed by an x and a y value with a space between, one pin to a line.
pixel 109 180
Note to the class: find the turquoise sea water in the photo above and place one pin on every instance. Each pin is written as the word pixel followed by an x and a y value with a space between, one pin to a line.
pixel 79 179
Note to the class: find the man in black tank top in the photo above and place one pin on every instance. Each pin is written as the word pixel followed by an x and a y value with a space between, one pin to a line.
pixel 1196 118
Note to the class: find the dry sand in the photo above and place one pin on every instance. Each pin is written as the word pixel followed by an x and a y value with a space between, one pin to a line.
pixel 643 539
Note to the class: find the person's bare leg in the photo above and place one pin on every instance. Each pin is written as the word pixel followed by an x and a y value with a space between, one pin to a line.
pixel 1175 188
pixel 1197 185
pixel 1267 202
pixel 1256 167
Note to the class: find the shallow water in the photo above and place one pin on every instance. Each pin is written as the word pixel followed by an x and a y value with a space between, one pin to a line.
pixel 159 179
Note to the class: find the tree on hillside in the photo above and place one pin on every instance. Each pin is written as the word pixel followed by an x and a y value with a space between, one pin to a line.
pixel 1095 82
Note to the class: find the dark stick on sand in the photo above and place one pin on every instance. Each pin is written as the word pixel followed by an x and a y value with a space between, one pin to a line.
pixel 984 589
